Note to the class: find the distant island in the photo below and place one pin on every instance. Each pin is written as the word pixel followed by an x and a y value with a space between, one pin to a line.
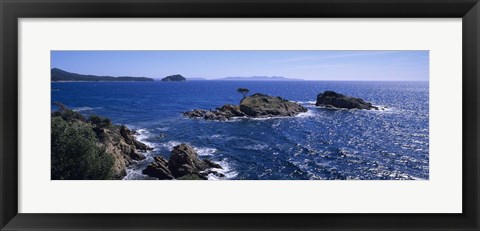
pixel 258 78
pixel 59 75
pixel 174 78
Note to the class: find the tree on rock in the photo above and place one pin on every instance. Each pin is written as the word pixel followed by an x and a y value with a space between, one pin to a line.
pixel 243 91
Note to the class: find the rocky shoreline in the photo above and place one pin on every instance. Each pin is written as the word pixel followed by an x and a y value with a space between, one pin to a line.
pixel 119 143
pixel 72 132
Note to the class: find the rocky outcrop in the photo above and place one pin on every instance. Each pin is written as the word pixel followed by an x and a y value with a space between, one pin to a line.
pixel 129 138
pixel 158 169
pixel 226 112
pixel 121 144
pixel 331 99
pixel 183 164
pixel 260 105
pixel 255 106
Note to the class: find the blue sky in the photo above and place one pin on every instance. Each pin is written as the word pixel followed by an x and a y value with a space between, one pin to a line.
pixel 308 65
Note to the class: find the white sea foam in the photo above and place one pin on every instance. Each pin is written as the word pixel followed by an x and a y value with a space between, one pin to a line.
pixel 306 102
pixel 133 175
pixel 142 135
pixel 226 170
pixel 270 118
pixel 170 144
pixel 382 108
pixel 309 113
pixel 205 151
pixel 257 147
pixel 201 151
pixel 78 109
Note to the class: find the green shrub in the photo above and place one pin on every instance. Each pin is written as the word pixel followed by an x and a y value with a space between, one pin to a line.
pixel 100 122
pixel 66 113
pixel 76 154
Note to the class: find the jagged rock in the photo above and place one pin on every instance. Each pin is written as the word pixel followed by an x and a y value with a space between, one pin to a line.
pixel 127 135
pixel 184 160
pixel 255 106
pixel 158 169
pixel 183 164
pixel 122 145
pixel 211 164
pixel 260 105
pixel 231 110
pixel 332 99
pixel 134 154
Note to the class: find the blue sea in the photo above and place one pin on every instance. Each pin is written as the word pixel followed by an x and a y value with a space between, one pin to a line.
pixel 321 144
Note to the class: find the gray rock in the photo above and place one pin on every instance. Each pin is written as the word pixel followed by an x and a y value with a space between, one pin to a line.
pixel 127 135
pixel 135 155
pixel 260 105
pixel 183 164
pixel 332 99
pixel 184 161
pixel 158 169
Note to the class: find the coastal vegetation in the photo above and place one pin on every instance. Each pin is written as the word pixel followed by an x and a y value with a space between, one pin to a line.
pixel 243 91
pixel 91 149
pixel 58 75
pixel 95 149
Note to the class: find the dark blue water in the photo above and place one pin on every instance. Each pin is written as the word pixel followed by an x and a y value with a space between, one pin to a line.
pixel 319 144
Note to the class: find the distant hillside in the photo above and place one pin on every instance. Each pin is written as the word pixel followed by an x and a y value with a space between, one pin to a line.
pixel 59 75
pixel 257 78
pixel 174 78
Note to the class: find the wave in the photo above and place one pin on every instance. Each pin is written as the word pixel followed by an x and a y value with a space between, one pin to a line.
pixel 210 137
pixel 306 102
pixel 142 134
pixel 79 109
pixel 309 113
pixel 227 170
pixel 205 151
pixel 133 174
pixel 201 151
pixel 170 144
pixel 257 147
pixel 383 108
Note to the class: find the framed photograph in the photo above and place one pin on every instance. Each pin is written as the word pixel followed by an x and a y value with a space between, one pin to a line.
pixel 229 115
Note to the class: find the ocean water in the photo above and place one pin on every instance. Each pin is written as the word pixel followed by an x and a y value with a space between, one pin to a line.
pixel 322 144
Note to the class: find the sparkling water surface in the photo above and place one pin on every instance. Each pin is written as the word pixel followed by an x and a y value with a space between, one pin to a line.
pixel 319 144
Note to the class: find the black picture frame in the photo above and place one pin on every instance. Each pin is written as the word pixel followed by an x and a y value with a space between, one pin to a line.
pixel 12 10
